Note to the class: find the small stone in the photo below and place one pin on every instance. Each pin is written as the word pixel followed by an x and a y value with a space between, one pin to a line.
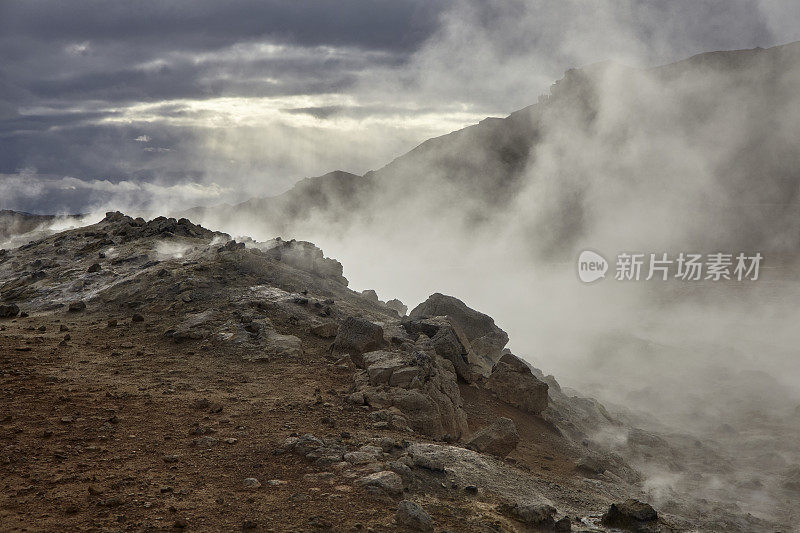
pixel 62 328
pixel 66 420
pixel 171 458
pixel 114 501
pixel 77 307
pixel 231 440
pixel 94 268
pixel 112 322
pixel 252 483
pixel 629 514
pixel 180 523
pixel 387 481
pixel 137 318
pixel 412 515
pixel 326 330
pixel 202 403
pixel 9 311
pixel 206 442
pixel 359 458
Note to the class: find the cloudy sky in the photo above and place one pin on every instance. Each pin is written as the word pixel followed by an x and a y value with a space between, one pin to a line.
pixel 116 104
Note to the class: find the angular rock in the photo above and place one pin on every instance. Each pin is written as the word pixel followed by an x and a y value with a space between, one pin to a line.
pixel 412 515
pixel 76 307
pixel 381 365
pixel 370 295
pixel 283 345
pixel 539 515
pixel 305 256
pixel 485 338
pixel 516 364
pixel 500 439
pixel 357 336
pixel 404 377
pixel 9 311
pixel 325 330
pixel 251 483
pixel 304 444
pixel 359 458
pixel 631 514
pixel 424 388
pixel 517 386
pixel 398 306
pixel 389 482
pixel 448 341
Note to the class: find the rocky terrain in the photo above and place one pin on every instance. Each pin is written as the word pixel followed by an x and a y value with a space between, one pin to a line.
pixel 162 376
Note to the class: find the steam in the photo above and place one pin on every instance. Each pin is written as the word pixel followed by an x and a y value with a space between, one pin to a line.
pixel 694 158
pixel 626 160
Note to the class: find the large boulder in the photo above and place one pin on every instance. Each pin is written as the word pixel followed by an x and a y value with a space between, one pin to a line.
pixel 512 382
pixel 381 367
pixel 500 439
pixel 631 514
pixel 448 341
pixel 485 339
pixel 357 336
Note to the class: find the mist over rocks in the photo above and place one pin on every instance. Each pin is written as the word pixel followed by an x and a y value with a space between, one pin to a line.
pixel 372 406
pixel 534 187
pixel 694 155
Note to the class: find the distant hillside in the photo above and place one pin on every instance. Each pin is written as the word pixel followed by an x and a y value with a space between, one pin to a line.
pixel 333 196
pixel 14 222
pixel 702 152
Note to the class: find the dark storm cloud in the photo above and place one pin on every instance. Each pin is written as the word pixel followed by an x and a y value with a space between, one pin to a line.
pixel 68 66
pixel 95 49
pixel 272 91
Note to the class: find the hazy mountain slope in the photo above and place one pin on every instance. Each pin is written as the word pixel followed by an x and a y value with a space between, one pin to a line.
pixel 326 199
pixel 710 141
pixel 15 222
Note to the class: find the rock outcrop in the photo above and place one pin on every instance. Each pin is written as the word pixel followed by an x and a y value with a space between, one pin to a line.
pixel 356 336
pixel 421 386
pixel 513 382
pixel 306 256
pixel 486 340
